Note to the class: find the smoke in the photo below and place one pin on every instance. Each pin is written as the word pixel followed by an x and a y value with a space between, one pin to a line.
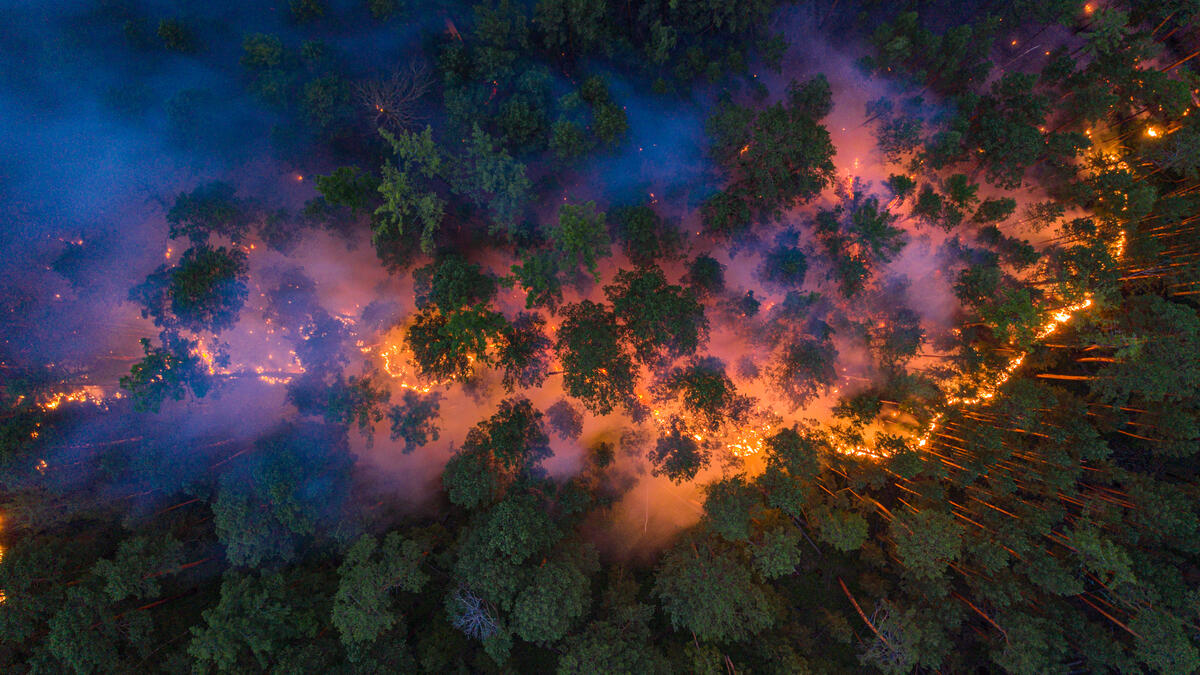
pixel 104 127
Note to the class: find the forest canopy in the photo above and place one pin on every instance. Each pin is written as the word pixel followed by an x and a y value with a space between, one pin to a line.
pixel 580 337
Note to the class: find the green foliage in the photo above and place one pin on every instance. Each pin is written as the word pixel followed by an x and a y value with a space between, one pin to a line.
pixel 167 372
pixel 360 401
pixel 995 210
pixel 859 236
pixel 307 11
pixel 660 320
pixel 568 140
pixel 705 275
pixel 257 618
pixel 280 494
pixel 725 214
pixel 927 542
pixel 730 505
pixel 177 37
pixel 363 606
pixel 706 392
pixel 349 186
pixel 844 530
pixel 785 156
pixel 383 10
pixel 786 266
pixel 508 446
pixel 523 352
pixel 492 179
pixel 326 102
pixel 138 568
pixel 597 367
pixel 901 185
pixel 557 596
pixel 580 237
pixel 212 209
pixel 452 284
pixel 803 369
pixel 445 346
pixel 645 236
pixel 949 62
pixel 709 589
pixel 538 274
pixel 415 420
pixel 408 200
pixel 678 455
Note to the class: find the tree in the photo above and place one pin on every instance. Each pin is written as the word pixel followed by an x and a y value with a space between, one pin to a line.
pixel 804 368
pixel 288 488
pixel 307 11
pixel 580 237
pixel 844 530
pixel 786 156
pixel 730 506
pixel 363 606
pixel 256 619
pixel 445 346
pixel 139 567
pixel 709 589
pixel 212 209
pixel 507 447
pixel 898 136
pixel 899 338
pixel 409 202
pixel 568 140
pixel 901 185
pixel 568 25
pixel 859 236
pixel 644 235
pixel 356 400
pixel 677 455
pixel 597 368
pixel 706 392
pixel 523 352
pixel 493 179
pixel 659 319
pixel 705 275
pixel 565 419
pixel 995 210
pixel 165 372
pixel 204 291
pixel 725 214
pixel 785 265
pixel 926 542
pixel 557 595
pixel 177 37
pixel 495 555
pixel 415 420
pixel 350 187
pixel 538 274
pixel 451 284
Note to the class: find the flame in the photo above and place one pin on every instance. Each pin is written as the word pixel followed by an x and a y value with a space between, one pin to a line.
pixel 88 393
pixel 1152 132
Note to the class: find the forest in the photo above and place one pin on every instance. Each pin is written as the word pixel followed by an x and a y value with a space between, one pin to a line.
pixel 584 336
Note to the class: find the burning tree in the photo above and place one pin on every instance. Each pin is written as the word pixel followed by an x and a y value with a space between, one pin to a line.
pixel 393 100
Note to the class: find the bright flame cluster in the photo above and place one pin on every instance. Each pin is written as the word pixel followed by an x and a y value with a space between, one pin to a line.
pixel 86 394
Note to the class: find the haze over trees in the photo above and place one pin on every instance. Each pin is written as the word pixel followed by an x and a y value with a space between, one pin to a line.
pixel 585 337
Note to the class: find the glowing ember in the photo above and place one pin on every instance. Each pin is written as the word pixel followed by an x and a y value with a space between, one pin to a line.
pixel 87 394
